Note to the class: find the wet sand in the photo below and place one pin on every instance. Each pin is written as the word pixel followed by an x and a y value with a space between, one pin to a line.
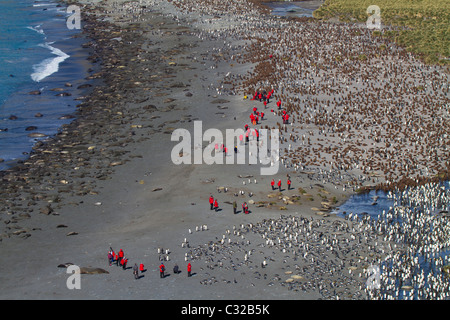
pixel 107 181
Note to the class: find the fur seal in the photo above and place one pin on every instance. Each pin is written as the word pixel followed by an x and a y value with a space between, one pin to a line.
pixel 36 135
pixel 65 265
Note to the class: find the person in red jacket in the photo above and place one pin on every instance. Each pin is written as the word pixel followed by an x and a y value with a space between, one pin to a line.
pixel 162 268
pixel 279 104
pixel 189 269
pixel 216 205
pixel 289 183
pixel 124 263
pixel 279 185
pixel 120 256
pixel 245 207
pixel 272 183
pixel 211 202
pixel 141 267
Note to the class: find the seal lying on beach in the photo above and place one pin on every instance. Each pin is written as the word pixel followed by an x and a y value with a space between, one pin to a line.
pixel 88 270
pixel 65 265
pixel 84 270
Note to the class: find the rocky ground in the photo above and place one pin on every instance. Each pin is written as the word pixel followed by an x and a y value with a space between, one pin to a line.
pixel 107 180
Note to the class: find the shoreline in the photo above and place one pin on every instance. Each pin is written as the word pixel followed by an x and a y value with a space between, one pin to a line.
pixel 50 101
pixel 109 182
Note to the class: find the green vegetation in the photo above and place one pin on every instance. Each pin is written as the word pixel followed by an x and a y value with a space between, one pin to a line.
pixel 362 57
pixel 446 269
pixel 424 26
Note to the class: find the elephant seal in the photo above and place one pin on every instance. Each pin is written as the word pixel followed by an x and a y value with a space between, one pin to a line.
pixel 84 270
pixel 88 270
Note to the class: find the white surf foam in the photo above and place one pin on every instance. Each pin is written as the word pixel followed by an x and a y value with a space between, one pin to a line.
pixel 48 66
pixel 37 29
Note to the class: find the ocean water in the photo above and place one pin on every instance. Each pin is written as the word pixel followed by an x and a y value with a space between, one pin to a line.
pixel 37 52
pixel 289 9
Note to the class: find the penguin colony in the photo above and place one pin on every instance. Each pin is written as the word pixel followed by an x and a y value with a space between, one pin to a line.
pixel 409 244
pixel 364 111
pixel 358 102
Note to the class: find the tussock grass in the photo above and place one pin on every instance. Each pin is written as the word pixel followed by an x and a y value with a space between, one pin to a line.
pixel 423 25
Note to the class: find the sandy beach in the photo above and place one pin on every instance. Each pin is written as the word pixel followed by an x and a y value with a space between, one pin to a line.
pixel 106 180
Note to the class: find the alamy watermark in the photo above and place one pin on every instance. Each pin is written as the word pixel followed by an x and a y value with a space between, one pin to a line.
pixel 262 149
pixel 74 281
pixel 374 279
pixel 74 20
pixel 373 21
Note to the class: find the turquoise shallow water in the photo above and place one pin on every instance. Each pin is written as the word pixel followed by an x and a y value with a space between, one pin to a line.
pixel 37 52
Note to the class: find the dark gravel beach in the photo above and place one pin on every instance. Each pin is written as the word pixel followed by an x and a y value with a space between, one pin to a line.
pixel 106 180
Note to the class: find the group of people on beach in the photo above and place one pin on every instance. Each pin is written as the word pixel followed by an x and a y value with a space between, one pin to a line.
pixel 284 116
pixel 289 183
pixel 214 205
pixel 265 97
pixel 176 270
pixel 248 132
pixel 255 115
pixel 120 260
